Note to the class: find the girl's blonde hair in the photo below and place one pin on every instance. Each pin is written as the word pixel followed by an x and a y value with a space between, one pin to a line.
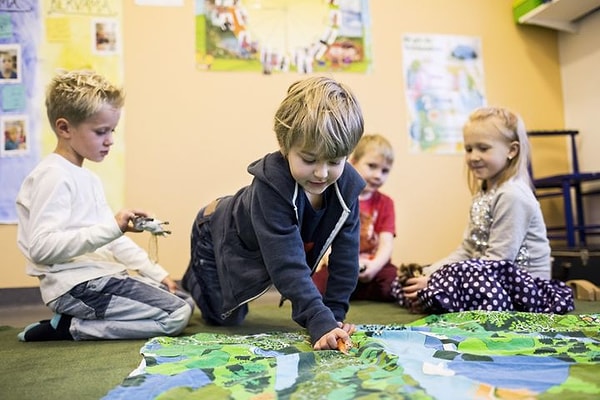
pixel 375 142
pixel 319 114
pixel 512 128
pixel 77 95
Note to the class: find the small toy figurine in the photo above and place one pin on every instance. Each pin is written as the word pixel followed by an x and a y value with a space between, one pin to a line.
pixel 404 272
pixel 344 346
pixel 411 270
pixel 151 225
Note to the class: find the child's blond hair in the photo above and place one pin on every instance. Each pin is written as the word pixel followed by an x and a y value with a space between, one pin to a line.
pixel 375 142
pixel 512 128
pixel 319 114
pixel 77 95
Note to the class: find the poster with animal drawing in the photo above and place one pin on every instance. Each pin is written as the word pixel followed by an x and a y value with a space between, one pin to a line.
pixel 278 36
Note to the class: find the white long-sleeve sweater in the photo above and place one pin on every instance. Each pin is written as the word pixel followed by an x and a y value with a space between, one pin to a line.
pixel 68 232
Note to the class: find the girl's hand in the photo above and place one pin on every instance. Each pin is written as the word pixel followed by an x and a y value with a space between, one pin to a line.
pixel 413 285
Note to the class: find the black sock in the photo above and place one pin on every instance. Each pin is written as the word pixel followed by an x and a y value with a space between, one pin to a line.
pixel 44 331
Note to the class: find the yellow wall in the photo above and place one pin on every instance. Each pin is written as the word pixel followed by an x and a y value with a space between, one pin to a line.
pixel 189 135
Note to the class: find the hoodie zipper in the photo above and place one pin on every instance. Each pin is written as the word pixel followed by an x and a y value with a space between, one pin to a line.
pixel 226 314
pixel 338 226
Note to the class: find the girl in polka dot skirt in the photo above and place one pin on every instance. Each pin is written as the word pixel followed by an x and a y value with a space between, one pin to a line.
pixel 503 262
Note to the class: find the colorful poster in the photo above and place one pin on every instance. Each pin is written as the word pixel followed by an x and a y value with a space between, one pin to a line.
pixel 41 38
pixel 87 35
pixel 274 36
pixel 444 82
pixel 19 100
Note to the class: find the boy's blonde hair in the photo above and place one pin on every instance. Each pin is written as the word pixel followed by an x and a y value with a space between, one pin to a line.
pixel 375 142
pixel 319 114
pixel 512 128
pixel 77 95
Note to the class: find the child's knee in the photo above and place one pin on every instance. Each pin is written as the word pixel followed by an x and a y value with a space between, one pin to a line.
pixel 178 320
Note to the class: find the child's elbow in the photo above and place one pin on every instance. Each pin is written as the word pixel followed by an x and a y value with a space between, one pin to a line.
pixel 43 255
pixel 41 258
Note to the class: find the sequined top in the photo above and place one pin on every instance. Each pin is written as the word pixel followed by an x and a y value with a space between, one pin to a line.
pixel 505 223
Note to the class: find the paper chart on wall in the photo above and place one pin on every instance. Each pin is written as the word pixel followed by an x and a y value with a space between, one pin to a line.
pixel 87 35
pixel 160 3
pixel 444 82
pixel 46 37
pixel 19 107
pixel 278 36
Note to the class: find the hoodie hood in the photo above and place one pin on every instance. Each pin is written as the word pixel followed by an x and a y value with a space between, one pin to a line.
pixel 274 170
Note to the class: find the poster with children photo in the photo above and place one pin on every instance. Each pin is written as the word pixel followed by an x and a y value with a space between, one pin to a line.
pixel 105 36
pixel 14 136
pixel 10 57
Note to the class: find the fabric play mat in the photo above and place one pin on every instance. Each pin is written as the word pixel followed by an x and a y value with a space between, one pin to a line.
pixel 465 355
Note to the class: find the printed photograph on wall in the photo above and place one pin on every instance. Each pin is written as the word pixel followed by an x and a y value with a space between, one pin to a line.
pixel 105 36
pixel 275 36
pixel 10 60
pixel 444 82
pixel 14 136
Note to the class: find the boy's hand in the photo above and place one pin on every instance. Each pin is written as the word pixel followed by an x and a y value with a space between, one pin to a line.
pixel 170 284
pixel 367 270
pixel 125 219
pixel 329 341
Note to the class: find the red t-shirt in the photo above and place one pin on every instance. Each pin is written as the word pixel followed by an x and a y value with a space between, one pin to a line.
pixel 376 216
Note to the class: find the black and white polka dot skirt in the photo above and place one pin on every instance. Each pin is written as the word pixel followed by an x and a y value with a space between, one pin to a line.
pixel 490 285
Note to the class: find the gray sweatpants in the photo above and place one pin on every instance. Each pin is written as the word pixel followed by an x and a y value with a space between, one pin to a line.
pixel 123 307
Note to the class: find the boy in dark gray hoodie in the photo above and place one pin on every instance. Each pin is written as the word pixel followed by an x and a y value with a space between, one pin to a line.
pixel 303 199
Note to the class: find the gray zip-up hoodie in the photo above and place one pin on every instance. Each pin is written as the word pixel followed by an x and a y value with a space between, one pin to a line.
pixel 258 243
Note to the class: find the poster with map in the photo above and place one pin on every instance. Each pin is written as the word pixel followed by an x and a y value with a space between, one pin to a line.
pixel 278 36
pixel 444 82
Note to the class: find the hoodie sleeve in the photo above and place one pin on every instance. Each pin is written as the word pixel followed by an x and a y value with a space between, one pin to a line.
pixel 283 254
pixel 343 265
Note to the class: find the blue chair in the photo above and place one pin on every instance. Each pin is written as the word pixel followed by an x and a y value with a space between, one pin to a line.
pixel 569 186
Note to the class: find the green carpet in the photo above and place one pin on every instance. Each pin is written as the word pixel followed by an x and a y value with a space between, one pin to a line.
pixel 88 370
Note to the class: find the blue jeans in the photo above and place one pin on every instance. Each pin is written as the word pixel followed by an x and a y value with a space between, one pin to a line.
pixel 202 280
pixel 123 307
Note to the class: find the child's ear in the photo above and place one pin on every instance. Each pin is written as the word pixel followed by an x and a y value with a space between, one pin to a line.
pixel 61 126
pixel 513 149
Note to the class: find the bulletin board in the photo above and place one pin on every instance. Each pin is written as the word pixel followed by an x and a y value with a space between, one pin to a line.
pixel 41 38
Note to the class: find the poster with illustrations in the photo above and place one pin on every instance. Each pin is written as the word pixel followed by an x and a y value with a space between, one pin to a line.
pixel 444 82
pixel 19 103
pixel 38 39
pixel 278 36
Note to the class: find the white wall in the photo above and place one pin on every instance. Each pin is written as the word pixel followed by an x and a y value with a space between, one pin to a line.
pixel 189 135
pixel 579 55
